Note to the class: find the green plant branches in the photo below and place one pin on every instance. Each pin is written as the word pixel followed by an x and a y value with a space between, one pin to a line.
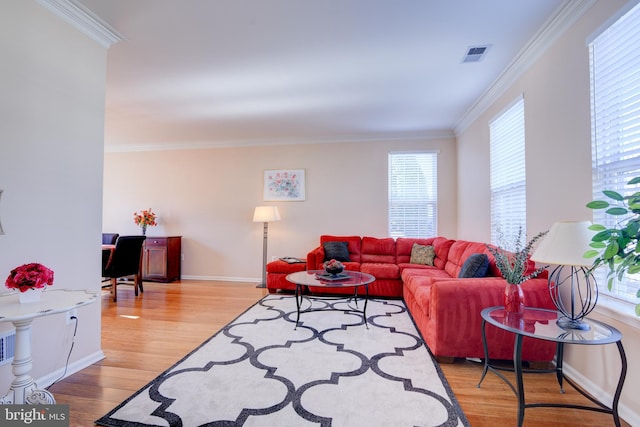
pixel 513 264
pixel 617 247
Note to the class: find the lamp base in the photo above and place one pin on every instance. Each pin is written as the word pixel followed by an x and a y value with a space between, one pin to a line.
pixel 567 323
pixel 261 285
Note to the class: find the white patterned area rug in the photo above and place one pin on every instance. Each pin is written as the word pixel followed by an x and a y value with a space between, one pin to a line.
pixel 330 371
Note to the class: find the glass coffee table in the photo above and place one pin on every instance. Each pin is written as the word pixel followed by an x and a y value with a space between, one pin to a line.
pixel 542 324
pixel 320 279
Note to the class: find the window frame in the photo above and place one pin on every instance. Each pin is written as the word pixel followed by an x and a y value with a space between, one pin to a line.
pixel 426 225
pixel 508 179
pixel 615 151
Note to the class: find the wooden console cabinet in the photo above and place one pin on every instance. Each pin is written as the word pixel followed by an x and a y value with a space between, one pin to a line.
pixel 161 258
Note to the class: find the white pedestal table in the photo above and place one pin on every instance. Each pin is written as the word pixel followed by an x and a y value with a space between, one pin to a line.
pixel 23 388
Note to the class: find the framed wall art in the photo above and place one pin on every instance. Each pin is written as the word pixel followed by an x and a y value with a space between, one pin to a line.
pixel 284 185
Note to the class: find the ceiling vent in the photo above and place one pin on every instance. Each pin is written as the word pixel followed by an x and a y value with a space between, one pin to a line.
pixel 475 53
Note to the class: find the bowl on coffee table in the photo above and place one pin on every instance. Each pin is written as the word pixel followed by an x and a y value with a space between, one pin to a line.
pixel 333 267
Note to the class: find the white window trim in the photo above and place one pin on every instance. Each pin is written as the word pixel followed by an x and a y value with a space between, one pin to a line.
pixel 617 309
pixel 391 153
pixel 613 302
pixel 495 234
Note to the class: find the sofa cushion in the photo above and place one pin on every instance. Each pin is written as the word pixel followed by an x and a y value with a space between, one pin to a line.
pixel 404 245
pixel 381 270
pixel 442 246
pixel 354 244
pixel 422 295
pixel 412 270
pixel 376 250
pixel 458 254
pixel 407 266
pixel 420 289
pixel 336 250
pixel 422 254
pixel 282 267
pixel 476 265
pixel 414 282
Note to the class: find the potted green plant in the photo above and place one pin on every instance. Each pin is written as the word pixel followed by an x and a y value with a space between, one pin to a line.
pixel 617 247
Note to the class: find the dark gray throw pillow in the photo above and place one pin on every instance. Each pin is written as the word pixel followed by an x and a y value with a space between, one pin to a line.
pixel 336 250
pixel 476 265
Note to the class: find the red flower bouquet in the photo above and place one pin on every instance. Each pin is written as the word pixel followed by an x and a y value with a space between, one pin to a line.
pixel 146 217
pixel 29 276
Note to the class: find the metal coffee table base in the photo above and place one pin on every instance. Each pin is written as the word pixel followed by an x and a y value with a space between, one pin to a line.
pixel 300 296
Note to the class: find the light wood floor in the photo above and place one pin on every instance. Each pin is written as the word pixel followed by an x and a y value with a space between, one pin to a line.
pixel 141 337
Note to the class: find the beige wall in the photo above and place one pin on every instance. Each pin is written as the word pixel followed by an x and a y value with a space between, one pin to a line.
pixel 52 115
pixel 558 151
pixel 52 82
pixel 208 196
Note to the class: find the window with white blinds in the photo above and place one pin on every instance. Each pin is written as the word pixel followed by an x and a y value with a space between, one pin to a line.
pixel 507 176
pixel 413 194
pixel 615 123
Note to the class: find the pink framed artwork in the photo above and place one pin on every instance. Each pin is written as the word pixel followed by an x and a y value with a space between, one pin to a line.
pixel 284 185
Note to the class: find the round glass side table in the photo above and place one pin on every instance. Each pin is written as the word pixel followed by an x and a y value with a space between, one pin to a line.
pixel 541 324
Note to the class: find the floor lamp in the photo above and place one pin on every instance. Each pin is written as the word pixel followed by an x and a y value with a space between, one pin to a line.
pixel 265 214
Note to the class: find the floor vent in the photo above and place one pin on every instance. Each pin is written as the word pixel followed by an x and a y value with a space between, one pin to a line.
pixel 7 346
pixel 475 53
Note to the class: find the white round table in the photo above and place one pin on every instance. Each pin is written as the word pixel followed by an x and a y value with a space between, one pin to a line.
pixel 23 388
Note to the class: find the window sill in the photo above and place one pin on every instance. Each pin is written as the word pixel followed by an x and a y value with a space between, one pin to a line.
pixel 621 311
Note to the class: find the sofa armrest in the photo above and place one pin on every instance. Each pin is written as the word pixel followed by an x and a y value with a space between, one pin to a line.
pixel 315 258
pixel 455 324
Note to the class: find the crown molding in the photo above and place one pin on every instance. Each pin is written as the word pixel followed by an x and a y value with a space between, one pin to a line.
pixel 566 15
pixel 84 20
pixel 195 145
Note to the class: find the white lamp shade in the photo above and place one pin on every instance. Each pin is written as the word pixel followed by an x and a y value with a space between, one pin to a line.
pixel 266 214
pixel 565 244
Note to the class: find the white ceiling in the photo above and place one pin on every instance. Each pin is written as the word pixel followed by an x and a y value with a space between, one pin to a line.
pixel 192 73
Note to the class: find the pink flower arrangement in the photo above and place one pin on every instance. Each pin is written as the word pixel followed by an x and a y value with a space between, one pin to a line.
pixel 146 217
pixel 333 265
pixel 29 276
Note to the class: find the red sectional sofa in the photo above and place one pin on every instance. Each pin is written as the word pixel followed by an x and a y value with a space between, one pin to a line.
pixel 445 308
pixel 368 255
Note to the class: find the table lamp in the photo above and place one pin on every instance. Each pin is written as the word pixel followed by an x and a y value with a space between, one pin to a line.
pixel 565 246
pixel 265 214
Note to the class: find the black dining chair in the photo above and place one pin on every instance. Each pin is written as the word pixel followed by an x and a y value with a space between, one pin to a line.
pixel 125 262
pixel 109 238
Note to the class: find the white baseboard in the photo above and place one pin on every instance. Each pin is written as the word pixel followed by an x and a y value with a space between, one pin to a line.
pixel 625 412
pixel 49 379
pixel 223 279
